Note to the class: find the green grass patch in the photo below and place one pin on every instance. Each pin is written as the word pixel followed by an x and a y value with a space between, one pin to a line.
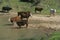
pixel 55 36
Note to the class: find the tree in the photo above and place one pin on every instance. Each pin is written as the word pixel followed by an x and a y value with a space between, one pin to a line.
pixel 0 1
pixel 36 2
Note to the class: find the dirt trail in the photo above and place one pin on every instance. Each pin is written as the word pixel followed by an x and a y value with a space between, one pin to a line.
pixel 40 20
pixel 36 21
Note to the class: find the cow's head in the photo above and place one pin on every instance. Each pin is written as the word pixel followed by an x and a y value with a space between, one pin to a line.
pixel 10 8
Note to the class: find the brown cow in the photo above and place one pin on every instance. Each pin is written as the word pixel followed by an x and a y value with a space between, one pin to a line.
pixel 15 19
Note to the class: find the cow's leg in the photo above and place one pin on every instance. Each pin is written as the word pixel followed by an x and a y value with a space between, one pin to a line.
pixel 3 10
pixel 40 12
pixel 36 11
pixel 19 26
pixel 15 25
pixel 7 11
pixel 27 24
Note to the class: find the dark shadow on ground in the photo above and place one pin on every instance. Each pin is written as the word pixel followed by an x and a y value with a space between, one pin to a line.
pixel 8 24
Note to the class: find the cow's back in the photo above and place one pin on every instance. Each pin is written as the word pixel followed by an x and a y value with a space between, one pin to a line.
pixel 38 9
pixel 24 14
pixel 15 19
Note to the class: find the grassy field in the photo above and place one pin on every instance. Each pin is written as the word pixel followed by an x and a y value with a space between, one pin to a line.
pixel 55 36
pixel 25 6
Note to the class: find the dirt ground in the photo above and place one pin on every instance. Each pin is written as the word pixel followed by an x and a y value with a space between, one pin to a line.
pixel 38 25
pixel 45 21
pixel 37 21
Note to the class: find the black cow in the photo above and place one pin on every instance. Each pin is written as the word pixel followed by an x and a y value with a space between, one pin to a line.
pixel 6 9
pixel 22 23
pixel 38 9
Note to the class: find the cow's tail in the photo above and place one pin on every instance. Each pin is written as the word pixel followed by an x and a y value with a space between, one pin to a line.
pixel 9 20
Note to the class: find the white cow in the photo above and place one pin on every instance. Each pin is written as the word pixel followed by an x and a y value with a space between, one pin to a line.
pixel 52 12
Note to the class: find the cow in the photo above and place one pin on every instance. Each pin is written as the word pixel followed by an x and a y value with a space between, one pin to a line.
pixel 14 19
pixel 38 9
pixel 6 9
pixel 52 12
